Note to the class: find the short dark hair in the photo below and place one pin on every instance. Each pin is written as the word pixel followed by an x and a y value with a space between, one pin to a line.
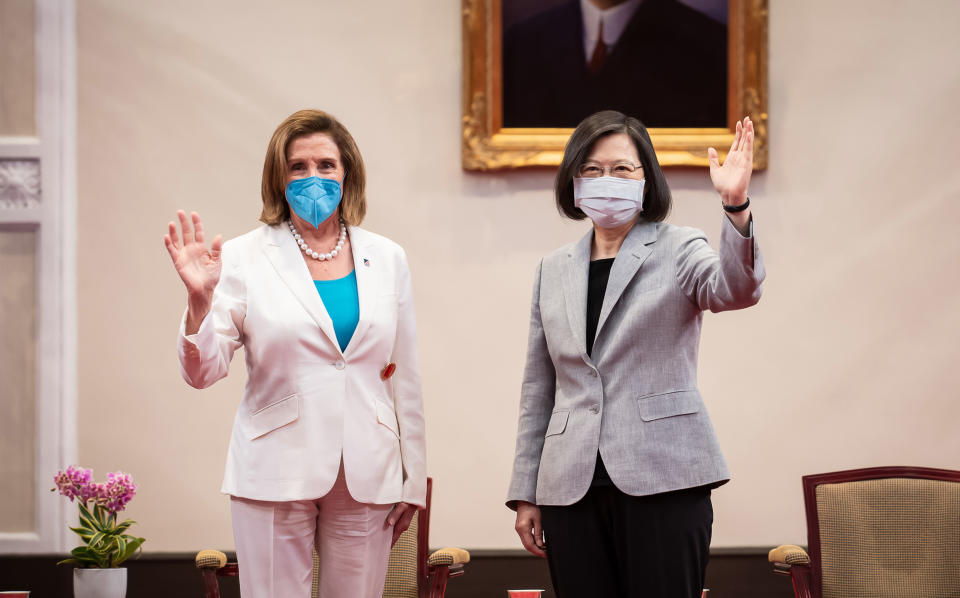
pixel 657 199
pixel 353 205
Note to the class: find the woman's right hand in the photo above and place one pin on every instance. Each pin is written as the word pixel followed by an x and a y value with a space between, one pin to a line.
pixel 198 267
pixel 529 528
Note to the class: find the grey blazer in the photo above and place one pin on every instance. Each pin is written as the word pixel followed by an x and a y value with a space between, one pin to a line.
pixel 636 400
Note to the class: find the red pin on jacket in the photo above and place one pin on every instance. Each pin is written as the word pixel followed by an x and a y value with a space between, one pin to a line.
pixel 388 370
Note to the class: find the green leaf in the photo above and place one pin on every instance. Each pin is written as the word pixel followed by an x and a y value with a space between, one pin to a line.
pixel 96 539
pixel 85 555
pixel 103 516
pixel 122 527
pixel 86 519
pixel 132 547
pixel 83 532
pixel 83 509
pixel 120 547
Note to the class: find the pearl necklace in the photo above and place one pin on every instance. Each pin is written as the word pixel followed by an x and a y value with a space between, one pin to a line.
pixel 319 256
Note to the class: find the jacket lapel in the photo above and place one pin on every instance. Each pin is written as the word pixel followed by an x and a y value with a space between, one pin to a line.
pixel 369 271
pixel 575 274
pixel 284 255
pixel 634 251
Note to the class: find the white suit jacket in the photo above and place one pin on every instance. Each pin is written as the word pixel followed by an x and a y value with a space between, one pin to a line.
pixel 306 403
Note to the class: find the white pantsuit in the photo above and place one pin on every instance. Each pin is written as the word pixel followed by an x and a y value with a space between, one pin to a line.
pixel 309 407
pixel 352 539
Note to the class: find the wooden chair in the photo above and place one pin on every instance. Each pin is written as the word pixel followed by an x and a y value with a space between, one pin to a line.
pixel 411 572
pixel 881 532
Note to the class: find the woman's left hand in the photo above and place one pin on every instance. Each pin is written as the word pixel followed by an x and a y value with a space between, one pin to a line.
pixel 400 517
pixel 732 179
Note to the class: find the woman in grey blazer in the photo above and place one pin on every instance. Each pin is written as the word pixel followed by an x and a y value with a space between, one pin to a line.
pixel 616 456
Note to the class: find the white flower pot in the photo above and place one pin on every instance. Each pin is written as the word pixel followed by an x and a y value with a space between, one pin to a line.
pixel 100 583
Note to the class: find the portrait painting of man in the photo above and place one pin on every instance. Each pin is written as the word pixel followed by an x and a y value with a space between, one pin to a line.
pixel 661 61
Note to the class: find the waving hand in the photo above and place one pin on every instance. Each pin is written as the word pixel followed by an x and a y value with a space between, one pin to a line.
pixel 198 266
pixel 732 179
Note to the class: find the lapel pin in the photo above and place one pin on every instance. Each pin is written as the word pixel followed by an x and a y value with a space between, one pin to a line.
pixel 366 262
pixel 388 371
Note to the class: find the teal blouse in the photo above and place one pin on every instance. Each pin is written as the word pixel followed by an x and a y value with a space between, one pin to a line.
pixel 342 301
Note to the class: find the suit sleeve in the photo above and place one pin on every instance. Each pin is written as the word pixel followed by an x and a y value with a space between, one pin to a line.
pixel 536 403
pixel 205 356
pixel 408 395
pixel 730 279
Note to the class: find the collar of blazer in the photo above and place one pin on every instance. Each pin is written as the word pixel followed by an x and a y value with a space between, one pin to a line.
pixel 285 257
pixel 634 251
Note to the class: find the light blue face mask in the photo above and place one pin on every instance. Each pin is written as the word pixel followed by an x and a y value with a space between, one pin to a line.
pixel 314 199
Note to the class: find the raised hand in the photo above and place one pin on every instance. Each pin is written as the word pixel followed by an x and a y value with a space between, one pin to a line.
pixel 198 266
pixel 733 178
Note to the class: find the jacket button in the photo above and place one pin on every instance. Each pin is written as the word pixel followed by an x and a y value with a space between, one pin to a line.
pixel 339 364
pixel 593 373
pixel 594 409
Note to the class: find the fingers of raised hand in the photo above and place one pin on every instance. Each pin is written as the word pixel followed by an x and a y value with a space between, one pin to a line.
pixel 171 247
pixel 172 235
pixel 197 227
pixel 745 135
pixel 215 247
pixel 713 158
pixel 186 231
pixel 736 138
pixel 170 240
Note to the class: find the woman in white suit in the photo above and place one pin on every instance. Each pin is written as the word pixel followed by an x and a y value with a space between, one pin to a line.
pixel 327 448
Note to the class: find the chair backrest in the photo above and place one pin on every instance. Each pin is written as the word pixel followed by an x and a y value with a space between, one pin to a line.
pixel 884 532
pixel 407 568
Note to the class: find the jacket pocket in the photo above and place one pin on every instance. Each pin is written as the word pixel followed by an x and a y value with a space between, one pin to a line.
pixel 669 404
pixel 269 418
pixel 558 423
pixel 387 418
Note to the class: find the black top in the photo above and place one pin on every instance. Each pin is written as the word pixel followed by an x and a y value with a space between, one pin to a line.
pixel 596 289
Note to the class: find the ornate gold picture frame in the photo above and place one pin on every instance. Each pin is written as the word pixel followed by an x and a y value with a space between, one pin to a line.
pixel 487 145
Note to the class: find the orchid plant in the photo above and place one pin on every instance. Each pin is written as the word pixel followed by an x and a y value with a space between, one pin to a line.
pixel 105 543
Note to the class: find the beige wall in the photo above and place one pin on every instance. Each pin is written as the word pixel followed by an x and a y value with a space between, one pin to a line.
pixel 849 360
pixel 17 75
pixel 18 351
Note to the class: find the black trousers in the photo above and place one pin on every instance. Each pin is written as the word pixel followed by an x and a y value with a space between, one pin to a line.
pixel 613 544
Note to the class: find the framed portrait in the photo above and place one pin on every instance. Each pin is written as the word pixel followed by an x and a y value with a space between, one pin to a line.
pixel 687 69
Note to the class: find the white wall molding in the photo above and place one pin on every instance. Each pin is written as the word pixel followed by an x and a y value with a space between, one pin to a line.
pixel 19 184
pixel 38 190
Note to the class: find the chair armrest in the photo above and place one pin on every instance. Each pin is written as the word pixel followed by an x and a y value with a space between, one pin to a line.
pixel 210 559
pixel 793 561
pixel 788 554
pixel 449 557
pixel 442 565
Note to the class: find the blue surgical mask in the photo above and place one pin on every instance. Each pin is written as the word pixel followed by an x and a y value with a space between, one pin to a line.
pixel 313 199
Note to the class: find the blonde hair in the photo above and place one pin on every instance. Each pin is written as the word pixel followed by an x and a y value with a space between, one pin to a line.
pixel 353 205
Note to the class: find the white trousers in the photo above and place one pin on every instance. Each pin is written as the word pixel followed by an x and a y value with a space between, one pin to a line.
pixel 274 542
